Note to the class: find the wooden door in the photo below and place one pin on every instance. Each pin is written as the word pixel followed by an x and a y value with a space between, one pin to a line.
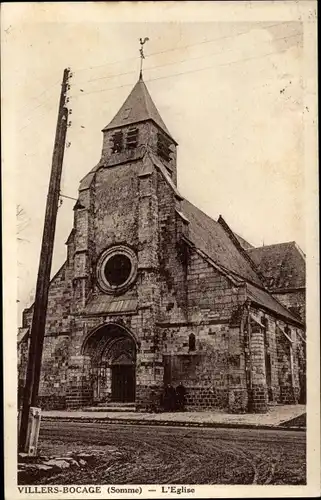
pixel 123 383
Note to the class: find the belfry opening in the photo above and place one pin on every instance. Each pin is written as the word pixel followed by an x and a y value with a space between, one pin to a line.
pixel 112 353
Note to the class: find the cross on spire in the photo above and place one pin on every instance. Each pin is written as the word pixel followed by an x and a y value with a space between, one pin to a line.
pixel 142 56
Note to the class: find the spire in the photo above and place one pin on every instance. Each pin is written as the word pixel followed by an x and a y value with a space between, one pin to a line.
pixel 142 56
pixel 138 107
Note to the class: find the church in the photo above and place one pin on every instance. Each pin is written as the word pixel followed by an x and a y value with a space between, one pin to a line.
pixel 154 291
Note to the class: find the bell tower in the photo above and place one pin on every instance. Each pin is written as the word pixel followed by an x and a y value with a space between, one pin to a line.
pixel 136 128
pixel 124 204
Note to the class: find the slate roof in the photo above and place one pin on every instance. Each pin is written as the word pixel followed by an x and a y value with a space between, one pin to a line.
pixel 210 237
pixel 138 107
pixel 109 304
pixel 266 300
pixel 283 265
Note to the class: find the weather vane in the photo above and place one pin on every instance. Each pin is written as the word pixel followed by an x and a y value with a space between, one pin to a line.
pixel 142 56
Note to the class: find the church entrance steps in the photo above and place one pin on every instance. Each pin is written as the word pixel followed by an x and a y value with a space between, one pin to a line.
pixel 111 407
pixel 116 403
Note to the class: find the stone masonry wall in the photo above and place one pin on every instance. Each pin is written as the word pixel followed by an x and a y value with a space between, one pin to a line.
pixel 211 296
pixel 58 315
pixel 55 349
pixel 149 355
pixel 238 397
pixel 53 383
pixel 213 369
pixel 258 395
pixel 288 365
pixel 124 212
pixel 172 260
pixel 275 363
pixel 301 359
pixel 116 206
pixel 204 372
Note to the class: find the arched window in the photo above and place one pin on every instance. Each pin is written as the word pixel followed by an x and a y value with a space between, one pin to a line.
pixel 191 342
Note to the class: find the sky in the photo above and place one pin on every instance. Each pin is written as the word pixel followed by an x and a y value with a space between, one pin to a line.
pixel 231 93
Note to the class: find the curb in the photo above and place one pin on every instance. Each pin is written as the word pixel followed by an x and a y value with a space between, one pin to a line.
pixel 169 423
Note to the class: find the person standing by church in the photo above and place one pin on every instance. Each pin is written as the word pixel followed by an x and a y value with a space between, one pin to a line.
pixel 169 399
pixel 180 396
pixel 166 398
pixel 172 398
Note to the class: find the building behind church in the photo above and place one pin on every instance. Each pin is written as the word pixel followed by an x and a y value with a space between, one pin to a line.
pixel 155 292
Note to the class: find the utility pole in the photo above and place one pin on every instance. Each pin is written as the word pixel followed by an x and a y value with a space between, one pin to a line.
pixel 30 395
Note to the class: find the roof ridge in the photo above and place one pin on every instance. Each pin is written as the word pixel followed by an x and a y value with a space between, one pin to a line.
pixel 226 272
pixel 283 243
pixel 208 234
pixel 162 169
pixel 224 269
pixel 238 245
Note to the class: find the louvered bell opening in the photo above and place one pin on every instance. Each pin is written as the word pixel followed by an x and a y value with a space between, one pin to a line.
pixel 163 147
pixel 132 138
pixel 117 142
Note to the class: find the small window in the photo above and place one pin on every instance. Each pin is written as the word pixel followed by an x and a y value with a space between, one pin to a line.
pixel 163 147
pixel 191 342
pixel 132 138
pixel 117 142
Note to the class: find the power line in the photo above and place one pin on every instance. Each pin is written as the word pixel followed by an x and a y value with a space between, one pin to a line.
pixel 38 116
pixel 167 76
pixel 36 98
pixel 68 197
pixel 172 64
pixel 34 109
pixel 184 72
pixel 156 67
pixel 175 49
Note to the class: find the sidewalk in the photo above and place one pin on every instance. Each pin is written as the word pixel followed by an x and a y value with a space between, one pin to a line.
pixel 275 416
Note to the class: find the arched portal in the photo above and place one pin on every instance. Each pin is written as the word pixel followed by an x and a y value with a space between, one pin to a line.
pixel 112 352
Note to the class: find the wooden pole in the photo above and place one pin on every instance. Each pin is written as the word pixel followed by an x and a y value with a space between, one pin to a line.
pixel 30 396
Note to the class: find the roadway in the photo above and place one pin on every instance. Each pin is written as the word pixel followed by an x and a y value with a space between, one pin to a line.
pixel 130 454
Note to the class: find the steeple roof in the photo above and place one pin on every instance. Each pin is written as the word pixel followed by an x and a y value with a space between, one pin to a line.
pixel 138 107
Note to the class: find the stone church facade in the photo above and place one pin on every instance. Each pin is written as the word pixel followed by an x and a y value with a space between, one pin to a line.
pixel 153 291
